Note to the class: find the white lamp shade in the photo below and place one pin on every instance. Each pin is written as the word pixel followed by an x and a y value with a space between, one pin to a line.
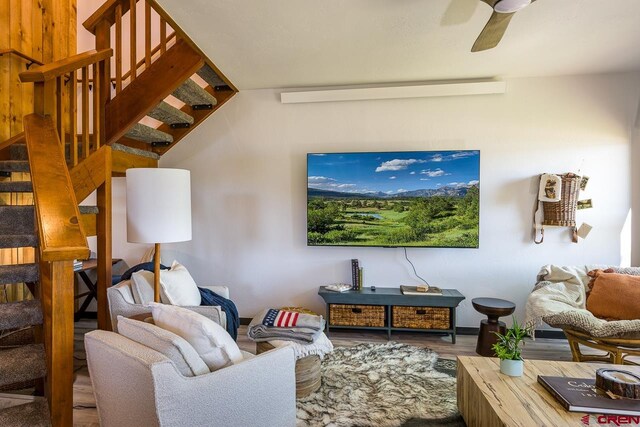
pixel 158 205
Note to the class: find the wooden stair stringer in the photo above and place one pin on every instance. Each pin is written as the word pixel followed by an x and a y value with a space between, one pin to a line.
pixel 152 86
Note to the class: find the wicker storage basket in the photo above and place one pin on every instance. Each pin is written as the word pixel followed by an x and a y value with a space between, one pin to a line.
pixel 356 315
pixel 420 317
pixel 563 213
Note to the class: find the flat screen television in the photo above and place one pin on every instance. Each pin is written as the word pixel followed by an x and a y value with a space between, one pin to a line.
pixel 394 199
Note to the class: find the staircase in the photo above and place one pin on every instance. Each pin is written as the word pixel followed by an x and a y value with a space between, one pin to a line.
pixel 95 116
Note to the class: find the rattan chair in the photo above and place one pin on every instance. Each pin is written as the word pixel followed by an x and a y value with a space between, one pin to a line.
pixel 616 349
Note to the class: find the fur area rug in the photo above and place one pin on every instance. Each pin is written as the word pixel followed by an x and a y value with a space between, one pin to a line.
pixel 387 385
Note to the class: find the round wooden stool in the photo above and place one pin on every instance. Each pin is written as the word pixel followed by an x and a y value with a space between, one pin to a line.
pixel 494 308
pixel 308 374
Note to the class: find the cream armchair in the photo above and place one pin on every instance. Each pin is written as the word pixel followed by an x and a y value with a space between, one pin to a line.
pixel 121 303
pixel 137 386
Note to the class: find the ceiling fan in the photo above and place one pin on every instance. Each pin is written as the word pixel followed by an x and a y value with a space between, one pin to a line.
pixel 503 11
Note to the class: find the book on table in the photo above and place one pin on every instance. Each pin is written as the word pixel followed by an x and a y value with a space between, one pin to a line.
pixel 580 395
pixel 413 290
pixel 338 287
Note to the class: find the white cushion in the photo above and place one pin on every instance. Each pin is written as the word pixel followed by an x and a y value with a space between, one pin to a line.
pixel 174 347
pixel 214 345
pixel 142 288
pixel 179 287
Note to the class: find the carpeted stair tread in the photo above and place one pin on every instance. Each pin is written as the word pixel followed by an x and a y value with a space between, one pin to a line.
pixel 88 210
pixel 19 151
pixel 18 241
pixel 14 166
pixel 170 115
pixel 17 219
pixel 14 315
pixel 210 76
pixel 18 273
pixel 33 414
pixel 136 151
pixel 148 134
pixel 16 187
pixel 21 364
pixel 191 93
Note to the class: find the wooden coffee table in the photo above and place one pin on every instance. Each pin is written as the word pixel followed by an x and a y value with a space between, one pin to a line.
pixel 488 398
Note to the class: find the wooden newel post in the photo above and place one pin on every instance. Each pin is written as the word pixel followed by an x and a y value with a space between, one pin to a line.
pixel 104 227
pixel 56 290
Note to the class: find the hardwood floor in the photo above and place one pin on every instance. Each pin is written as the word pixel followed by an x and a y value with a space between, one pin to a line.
pixel 85 414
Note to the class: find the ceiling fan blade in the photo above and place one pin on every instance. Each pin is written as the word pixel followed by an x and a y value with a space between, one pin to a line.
pixel 492 32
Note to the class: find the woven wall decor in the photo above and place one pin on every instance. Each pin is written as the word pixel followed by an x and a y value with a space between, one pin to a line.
pixel 563 212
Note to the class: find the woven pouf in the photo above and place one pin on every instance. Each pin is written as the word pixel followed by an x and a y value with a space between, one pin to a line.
pixel 308 376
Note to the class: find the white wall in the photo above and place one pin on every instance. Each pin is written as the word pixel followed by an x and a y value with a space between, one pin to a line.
pixel 248 165
pixel 635 188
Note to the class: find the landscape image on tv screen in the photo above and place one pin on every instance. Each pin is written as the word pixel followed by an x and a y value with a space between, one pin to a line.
pixel 404 198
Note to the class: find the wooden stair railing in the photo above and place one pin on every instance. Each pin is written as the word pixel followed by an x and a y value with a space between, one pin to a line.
pixel 51 99
pixel 61 236
pixel 145 77
pixel 61 241
pixel 54 99
pixel 109 15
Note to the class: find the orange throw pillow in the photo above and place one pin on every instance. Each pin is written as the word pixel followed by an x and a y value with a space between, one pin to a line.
pixel 615 296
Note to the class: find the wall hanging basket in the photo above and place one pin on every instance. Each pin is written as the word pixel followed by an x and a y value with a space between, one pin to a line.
pixel 563 213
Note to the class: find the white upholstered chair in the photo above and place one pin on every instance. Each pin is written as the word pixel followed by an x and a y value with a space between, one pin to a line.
pixel 122 303
pixel 135 385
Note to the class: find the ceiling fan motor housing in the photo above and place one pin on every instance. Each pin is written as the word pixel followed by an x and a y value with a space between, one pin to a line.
pixel 510 6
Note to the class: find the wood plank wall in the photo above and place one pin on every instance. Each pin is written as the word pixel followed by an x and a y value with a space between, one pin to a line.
pixel 45 30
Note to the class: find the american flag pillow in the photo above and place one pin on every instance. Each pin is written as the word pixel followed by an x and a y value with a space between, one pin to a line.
pixel 280 318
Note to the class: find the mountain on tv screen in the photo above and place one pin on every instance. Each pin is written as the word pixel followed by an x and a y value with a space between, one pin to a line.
pixel 394 199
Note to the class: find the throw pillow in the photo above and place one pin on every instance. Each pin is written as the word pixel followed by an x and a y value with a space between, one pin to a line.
pixel 142 288
pixel 214 345
pixel 174 347
pixel 179 287
pixel 615 296
pixel 148 266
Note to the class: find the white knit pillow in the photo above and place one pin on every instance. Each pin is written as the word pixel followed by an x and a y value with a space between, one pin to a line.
pixel 173 346
pixel 179 287
pixel 214 345
pixel 142 287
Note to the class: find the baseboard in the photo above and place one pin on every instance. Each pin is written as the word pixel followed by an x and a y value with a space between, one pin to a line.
pixel 465 330
pixel 540 333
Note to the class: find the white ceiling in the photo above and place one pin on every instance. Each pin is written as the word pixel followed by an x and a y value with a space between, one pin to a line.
pixel 298 43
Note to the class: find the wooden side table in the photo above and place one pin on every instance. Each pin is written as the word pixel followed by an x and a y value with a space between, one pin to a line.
pixel 92 292
pixel 494 309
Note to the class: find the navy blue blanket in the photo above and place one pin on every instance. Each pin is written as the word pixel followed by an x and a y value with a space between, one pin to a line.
pixel 233 319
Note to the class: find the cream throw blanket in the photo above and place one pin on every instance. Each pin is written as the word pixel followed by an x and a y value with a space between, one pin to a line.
pixel 559 289
pixel 320 347
pixel 559 299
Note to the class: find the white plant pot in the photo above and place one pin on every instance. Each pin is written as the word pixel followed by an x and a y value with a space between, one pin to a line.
pixel 513 368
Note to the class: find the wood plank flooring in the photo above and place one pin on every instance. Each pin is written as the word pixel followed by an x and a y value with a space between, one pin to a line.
pixel 85 414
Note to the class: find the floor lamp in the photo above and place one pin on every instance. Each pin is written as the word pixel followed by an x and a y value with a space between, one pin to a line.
pixel 158 210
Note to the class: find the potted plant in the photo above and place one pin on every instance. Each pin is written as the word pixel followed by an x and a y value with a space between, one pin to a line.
pixel 508 349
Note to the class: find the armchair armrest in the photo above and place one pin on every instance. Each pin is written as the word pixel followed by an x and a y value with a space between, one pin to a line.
pixel 223 291
pixel 213 312
pixel 255 392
